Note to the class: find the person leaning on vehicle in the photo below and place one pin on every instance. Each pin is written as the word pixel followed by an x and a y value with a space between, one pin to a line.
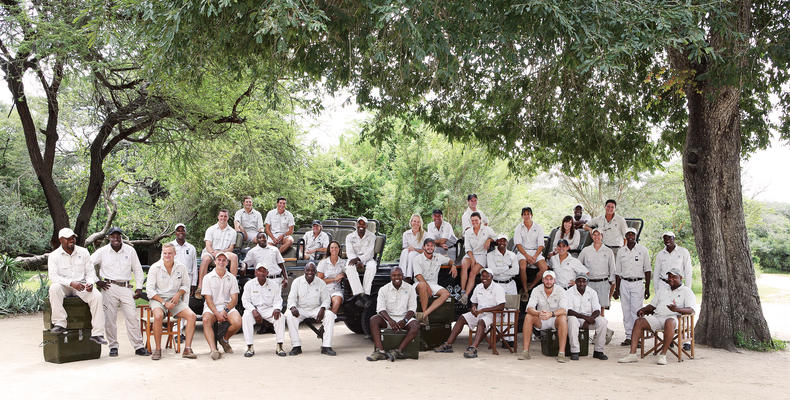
pixel 395 308
pixel 221 291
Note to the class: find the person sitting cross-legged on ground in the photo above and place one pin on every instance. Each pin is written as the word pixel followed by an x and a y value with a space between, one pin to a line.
pixel 546 309
pixel 426 274
pixel 662 312
pixel 309 298
pixel 584 311
pixel 262 300
pixel 395 308
pixel 221 291
pixel 487 297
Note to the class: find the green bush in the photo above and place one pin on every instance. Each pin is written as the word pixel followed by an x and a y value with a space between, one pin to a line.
pixel 14 297
pixel 22 229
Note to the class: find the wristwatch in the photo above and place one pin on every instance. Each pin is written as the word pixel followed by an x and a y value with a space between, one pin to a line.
pixel 228 309
pixel 552 314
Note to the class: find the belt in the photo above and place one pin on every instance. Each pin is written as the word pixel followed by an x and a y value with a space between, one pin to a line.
pixel 599 280
pixel 613 247
pixel 118 283
pixel 631 279
pixel 504 282
pixel 275 276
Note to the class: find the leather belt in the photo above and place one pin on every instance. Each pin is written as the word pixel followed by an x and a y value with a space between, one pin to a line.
pixel 613 247
pixel 631 279
pixel 504 282
pixel 275 276
pixel 598 280
pixel 118 283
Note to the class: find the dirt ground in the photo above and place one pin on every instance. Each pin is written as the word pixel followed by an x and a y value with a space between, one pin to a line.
pixel 714 373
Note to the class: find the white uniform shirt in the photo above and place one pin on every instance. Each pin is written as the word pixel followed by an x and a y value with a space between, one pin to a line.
pixel 219 288
pixel 573 243
pixel 476 242
pixel 613 231
pixel 308 296
pixel 584 217
pixel 600 262
pixel 585 303
pixel 251 222
pixel 268 255
pixel 410 239
pixel 466 219
pixel 680 258
pixel 187 256
pixel 633 263
pixel 566 269
pixel 330 271
pixel 540 302
pixel 118 266
pixel 279 224
pixel 64 268
pixel 443 232
pixel 503 266
pixel 530 238
pixel 255 295
pixel 362 247
pixel 396 302
pixel 164 284
pixel 682 297
pixel 484 297
pixel 311 242
pixel 220 239
pixel 429 269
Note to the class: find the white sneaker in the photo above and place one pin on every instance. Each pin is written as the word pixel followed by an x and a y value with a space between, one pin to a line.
pixel 662 359
pixel 609 334
pixel 630 358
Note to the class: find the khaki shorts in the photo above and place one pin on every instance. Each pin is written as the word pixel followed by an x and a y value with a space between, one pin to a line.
pixel 657 322
pixel 207 310
pixel 486 317
pixel 181 306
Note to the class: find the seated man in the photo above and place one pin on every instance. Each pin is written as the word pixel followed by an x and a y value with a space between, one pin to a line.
pixel 487 297
pixel 503 264
pixel 309 298
pixel 279 225
pixel 466 218
pixel 566 266
pixel 220 238
pixel 442 233
pixel 262 300
pixel 166 285
pixel 584 312
pixel 476 242
pixel 269 256
pixel 360 249
pixel 395 308
pixel 529 242
pixel 662 313
pixel 221 291
pixel 248 221
pixel 580 217
pixel 315 242
pixel 546 309
pixel 426 274
pixel 71 272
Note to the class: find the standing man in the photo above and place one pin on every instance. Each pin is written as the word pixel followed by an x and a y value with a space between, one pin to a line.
pixel 315 242
pixel 632 270
pixel 262 300
pixel 546 309
pixel 529 242
pixel 442 233
pixel 672 256
pixel 599 260
pixel 186 255
pixel 580 217
pixel 117 261
pixel 279 225
pixel 466 218
pixel 71 272
pixel 503 265
pixel 612 226
pixel 565 266
pixel 248 221
pixel 426 274
pixel 309 298
pixel 220 238
pixel 167 285
pixel 269 256
pixel 476 242
pixel 221 291
pixel 395 308
pixel 360 249
pixel 584 312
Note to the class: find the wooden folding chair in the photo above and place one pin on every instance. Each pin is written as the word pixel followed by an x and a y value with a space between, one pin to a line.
pixel 683 333
pixel 171 327
pixel 503 327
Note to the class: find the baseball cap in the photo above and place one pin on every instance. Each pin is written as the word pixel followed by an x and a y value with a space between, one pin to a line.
pixel 550 273
pixel 596 230
pixel 580 206
pixel 316 222
pixel 261 265
pixel 179 225
pixel 66 233
pixel 668 233
pixel 501 237
pixel 224 253
pixel 488 270
pixel 363 219
pixel 563 242
pixel 675 271
pixel 631 230
pixel 581 275
pixel 437 211
pixel 469 197
pixel 114 229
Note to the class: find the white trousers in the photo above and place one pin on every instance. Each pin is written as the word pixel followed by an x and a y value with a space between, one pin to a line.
pixel 406 262
pixel 600 333
pixel 116 297
pixel 293 325
pixel 57 292
pixel 248 324
pixel 632 294
pixel 358 287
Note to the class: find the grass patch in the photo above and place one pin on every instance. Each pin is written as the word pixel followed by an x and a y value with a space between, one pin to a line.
pixel 775 271
pixel 754 345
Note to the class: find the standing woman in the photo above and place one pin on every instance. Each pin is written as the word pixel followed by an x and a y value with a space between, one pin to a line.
pixel 412 245
pixel 568 233
pixel 330 270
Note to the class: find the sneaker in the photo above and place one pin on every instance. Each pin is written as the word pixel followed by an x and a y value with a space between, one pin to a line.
pixel 295 351
pixel 279 350
pixel 57 329
pixel 225 346
pixel 471 352
pixel 328 351
pixel 444 348
pixel 524 355
pixel 188 353
pixel 393 355
pixel 575 356
pixel 422 318
pixel 600 355
pixel 113 352
pixel 626 342
pixel 250 351
pixel 377 355
pixel 215 355
pixel 464 299
pixel 561 357
pixel 320 333
pixel 687 346
pixel 630 358
pixel 157 355
pixel 662 359
pixel 609 334
pixel 142 351
pixel 101 340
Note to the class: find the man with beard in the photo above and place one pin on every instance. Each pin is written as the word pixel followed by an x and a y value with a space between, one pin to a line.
pixel 426 274
pixel 546 309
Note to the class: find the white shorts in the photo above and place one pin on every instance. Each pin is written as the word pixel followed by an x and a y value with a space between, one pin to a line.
pixel 520 256
pixel 336 294
pixel 480 259
pixel 486 317
pixel 271 242
pixel 435 287
pixel 657 322
pixel 220 307
pixel 547 324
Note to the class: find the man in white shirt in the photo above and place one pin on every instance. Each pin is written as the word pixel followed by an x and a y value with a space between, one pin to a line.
pixel 395 309
pixel 584 312
pixel 529 241
pixel 309 298
pixel 632 280
pixel 279 225
pixel 546 309
pixel 315 242
pixel 221 291
pixel 599 260
pixel 612 226
pixel 487 297
pixel 672 256
pixel 186 255
pixel 248 221
pixel 466 218
pixel 71 273
pixel 220 238
pixel 426 273
pixel 565 266
pixel 269 256
pixel 476 242
pixel 167 286
pixel 442 233
pixel 117 261
pixel 360 250
pixel 580 217
pixel 503 265
pixel 262 300
pixel 662 312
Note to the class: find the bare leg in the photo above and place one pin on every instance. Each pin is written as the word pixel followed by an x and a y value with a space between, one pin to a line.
pixel 522 274
pixel 423 293
pixel 443 296
pixel 158 317
pixel 640 325
pixel 235 324
pixel 204 263
pixel 287 242
pixel 669 333
pixel 465 264
pixel 542 267
pixel 376 325
pixel 234 264
pixel 191 319
pixel 457 328
pixel 481 332
pixel 413 328
pixel 470 284
pixel 208 331
pixel 526 331
pixel 336 302
pixel 561 323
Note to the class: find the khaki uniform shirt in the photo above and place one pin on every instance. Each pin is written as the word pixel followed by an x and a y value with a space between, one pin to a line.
pixel 475 242
pixel 308 296
pixel 269 256
pixel 633 263
pixel 503 266
pixel 491 296
pixel 613 231
pixel 164 284
pixel 396 302
pixel 539 301
pixel 600 262
pixel 466 219
pixel 279 223
pixel 119 265
pixel 64 268
pixel 187 255
pixel 566 269
pixel 429 269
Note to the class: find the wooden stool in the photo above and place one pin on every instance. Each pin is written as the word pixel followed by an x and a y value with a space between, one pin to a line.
pixel 171 327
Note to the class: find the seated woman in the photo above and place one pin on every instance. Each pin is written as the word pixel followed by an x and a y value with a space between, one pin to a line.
pixel 412 246
pixel 568 233
pixel 330 269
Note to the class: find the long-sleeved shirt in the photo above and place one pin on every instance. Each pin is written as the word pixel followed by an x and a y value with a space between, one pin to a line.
pixel 503 266
pixel 600 262
pixel 362 247
pixel 64 268
pixel 166 285
pixel 119 265
pixel 308 296
pixel 268 295
pixel 187 255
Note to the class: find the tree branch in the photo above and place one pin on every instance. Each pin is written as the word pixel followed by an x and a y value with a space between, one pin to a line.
pixel 112 210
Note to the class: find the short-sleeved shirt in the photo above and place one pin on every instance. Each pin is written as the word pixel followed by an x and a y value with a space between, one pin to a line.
pixel 503 266
pixel 566 269
pixel 251 221
pixel 600 262
pixel 308 296
pixel 466 219
pixel 585 303
pixel 443 232
pixel 412 239
pixel 490 296
pixel 312 242
pixel 187 256
pixel 220 238
pixel 330 271
pixel 255 295
pixel 633 263
pixel 268 256
pixel 682 297
pixel 362 247
pixel 165 284
pixel 573 242
pixel 475 242
pixel 679 258
pixel 429 269
pixel 119 265
pixel 219 288
pixel 530 238
pixel 541 302
pixel 396 302
pixel 613 231
pixel 279 223
pixel 64 268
